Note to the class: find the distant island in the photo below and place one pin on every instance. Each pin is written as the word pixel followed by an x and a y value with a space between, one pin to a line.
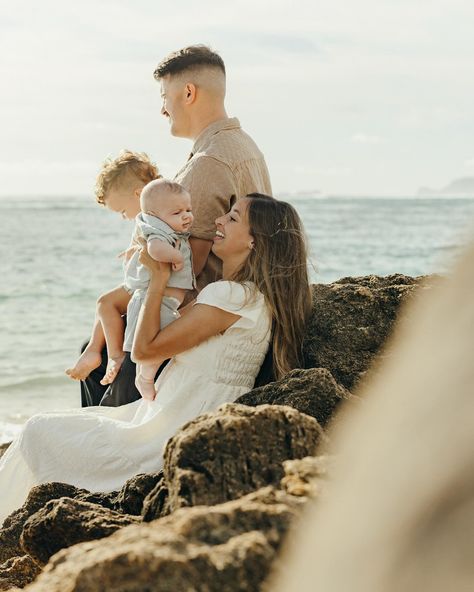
pixel 463 187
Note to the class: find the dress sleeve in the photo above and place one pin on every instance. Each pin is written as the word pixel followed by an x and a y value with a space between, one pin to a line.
pixel 233 297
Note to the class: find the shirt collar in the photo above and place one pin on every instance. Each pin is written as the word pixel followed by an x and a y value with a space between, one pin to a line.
pixel 156 223
pixel 212 129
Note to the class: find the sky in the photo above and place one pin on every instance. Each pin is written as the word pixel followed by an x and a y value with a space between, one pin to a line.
pixel 351 97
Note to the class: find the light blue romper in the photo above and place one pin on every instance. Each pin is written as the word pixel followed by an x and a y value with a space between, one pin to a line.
pixel 137 276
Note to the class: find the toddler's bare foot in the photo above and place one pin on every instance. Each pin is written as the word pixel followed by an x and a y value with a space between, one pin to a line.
pixel 145 386
pixel 113 366
pixel 89 360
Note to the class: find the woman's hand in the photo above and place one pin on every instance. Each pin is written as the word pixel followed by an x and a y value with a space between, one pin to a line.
pixel 155 267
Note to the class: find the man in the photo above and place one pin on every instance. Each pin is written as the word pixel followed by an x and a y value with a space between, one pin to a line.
pixel 224 164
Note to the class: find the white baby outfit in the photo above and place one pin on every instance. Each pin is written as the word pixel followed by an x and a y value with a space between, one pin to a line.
pixel 99 448
pixel 137 276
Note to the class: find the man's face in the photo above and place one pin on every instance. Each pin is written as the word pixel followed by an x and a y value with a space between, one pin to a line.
pixel 124 201
pixel 173 94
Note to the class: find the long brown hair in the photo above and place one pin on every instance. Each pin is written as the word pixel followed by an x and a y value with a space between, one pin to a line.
pixel 277 265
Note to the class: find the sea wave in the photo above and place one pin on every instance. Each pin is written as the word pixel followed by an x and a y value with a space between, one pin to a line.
pixel 34 383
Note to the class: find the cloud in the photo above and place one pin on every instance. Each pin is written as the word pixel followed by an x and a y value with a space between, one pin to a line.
pixel 366 139
pixel 329 171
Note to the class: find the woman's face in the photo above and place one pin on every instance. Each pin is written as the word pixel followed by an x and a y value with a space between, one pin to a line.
pixel 233 238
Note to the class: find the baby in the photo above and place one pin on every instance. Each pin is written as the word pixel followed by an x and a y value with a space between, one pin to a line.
pixel 164 223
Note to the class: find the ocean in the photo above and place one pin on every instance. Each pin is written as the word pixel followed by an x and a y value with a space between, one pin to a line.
pixel 59 254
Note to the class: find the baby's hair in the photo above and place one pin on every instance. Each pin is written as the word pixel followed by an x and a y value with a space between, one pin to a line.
pixel 127 168
pixel 159 189
pixel 166 185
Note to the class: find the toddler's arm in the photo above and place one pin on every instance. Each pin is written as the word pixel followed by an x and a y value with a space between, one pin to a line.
pixel 161 251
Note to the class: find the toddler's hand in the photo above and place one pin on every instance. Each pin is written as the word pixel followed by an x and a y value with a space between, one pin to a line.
pixel 127 253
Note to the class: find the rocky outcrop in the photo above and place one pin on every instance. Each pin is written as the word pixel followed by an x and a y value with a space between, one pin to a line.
pixel 224 455
pixel 305 476
pixel 64 522
pixel 223 548
pixel 313 391
pixel 13 525
pixel 129 500
pixel 351 321
pixel 17 572
pixel 233 480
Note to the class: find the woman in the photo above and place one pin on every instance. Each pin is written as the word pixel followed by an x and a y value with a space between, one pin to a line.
pixel 217 347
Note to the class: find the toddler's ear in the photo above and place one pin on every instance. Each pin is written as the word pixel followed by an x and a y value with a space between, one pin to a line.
pixel 137 193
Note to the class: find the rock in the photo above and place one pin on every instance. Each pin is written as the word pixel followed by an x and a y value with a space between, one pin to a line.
pixel 225 548
pixel 64 522
pixel 155 501
pixel 3 448
pixel 313 391
pixel 305 476
pixel 13 524
pixel 130 498
pixel 350 322
pixel 237 449
pixel 18 571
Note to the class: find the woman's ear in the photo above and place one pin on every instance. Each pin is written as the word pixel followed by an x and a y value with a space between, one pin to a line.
pixel 251 245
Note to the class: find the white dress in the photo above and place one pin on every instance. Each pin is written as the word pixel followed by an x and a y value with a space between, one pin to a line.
pixel 99 448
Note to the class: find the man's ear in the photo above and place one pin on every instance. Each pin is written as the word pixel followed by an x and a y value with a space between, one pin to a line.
pixel 189 93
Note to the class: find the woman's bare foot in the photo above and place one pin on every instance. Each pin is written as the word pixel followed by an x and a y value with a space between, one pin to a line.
pixel 145 386
pixel 113 366
pixel 89 360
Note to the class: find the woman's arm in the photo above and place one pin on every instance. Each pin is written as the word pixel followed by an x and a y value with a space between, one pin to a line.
pixel 197 325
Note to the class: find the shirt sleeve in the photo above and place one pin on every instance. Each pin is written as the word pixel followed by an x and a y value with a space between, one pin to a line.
pixel 163 237
pixel 236 298
pixel 213 189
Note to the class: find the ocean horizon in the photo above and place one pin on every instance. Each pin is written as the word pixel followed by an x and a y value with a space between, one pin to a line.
pixel 62 254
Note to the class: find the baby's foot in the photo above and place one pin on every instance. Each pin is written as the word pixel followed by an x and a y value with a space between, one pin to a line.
pixel 89 360
pixel 113 366
pixel 145 386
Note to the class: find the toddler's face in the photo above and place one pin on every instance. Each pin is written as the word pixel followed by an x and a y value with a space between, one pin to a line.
pixel 123 201
pixel 175 210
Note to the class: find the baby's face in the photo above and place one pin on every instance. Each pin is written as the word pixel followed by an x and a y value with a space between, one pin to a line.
pixel 175 210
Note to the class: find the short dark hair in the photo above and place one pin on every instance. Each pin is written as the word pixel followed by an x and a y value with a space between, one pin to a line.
pixel 188 58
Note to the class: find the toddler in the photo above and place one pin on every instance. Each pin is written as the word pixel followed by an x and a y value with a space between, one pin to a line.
pixel 118 187
pixel 166 216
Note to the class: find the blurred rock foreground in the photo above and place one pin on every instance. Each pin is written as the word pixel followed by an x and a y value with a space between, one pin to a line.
pixel 233 481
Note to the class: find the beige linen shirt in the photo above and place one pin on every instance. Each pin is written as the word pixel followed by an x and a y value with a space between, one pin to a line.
pixel 225 164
